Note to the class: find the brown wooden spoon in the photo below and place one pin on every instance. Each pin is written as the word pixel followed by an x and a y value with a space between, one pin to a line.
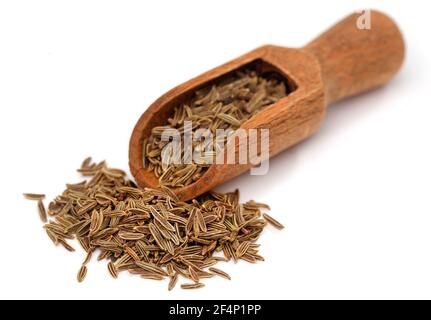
pixel 342 62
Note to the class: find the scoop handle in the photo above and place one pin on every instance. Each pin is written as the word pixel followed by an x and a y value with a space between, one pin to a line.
pixel 361 52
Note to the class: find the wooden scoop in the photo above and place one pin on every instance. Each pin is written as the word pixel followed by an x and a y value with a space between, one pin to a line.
pixel 342 62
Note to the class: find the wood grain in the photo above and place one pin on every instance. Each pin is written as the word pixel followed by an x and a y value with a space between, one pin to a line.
pixel 355 60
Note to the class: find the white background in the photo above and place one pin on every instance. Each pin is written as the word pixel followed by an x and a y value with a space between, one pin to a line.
pixel 355 199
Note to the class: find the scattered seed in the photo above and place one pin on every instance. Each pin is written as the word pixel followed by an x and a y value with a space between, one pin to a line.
pixel 52 236
pixel 150 232
pixel 151 268
pixel 152 276
pixel 220 273
pixel 272 221
pixel 87 258
pixel 82 273
pixel 192 286
pixel 42 211
pixel 112 270
pixel 34 196
pixel 66 245
pixel 173 281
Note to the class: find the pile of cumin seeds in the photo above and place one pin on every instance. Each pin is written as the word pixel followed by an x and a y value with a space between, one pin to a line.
pixel 224 105
pixel 151 233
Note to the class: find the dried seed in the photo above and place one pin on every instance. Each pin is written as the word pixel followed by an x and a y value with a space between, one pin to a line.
pixel 256 205
pixel 88 207
pixel 86 163
pixel 130 235
pixel 85 243
pixel 157 235
pixel 193 275
pixel 52 236
pixel 170 269
pixel 87 258
pixel 42 211
pixel 34 196
pixel 249 258
pixel 96 221
pixel 132 253
pixel 242 248
pixel 82 273
pixel 151 268
pixel 152 276
pixel 229 119
pixel 67 246
pixel 220 273
pixel 201 221
pixel 272 221
pixel 173 281
pixel 192 286
pixel 112 270
pixel 161 219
